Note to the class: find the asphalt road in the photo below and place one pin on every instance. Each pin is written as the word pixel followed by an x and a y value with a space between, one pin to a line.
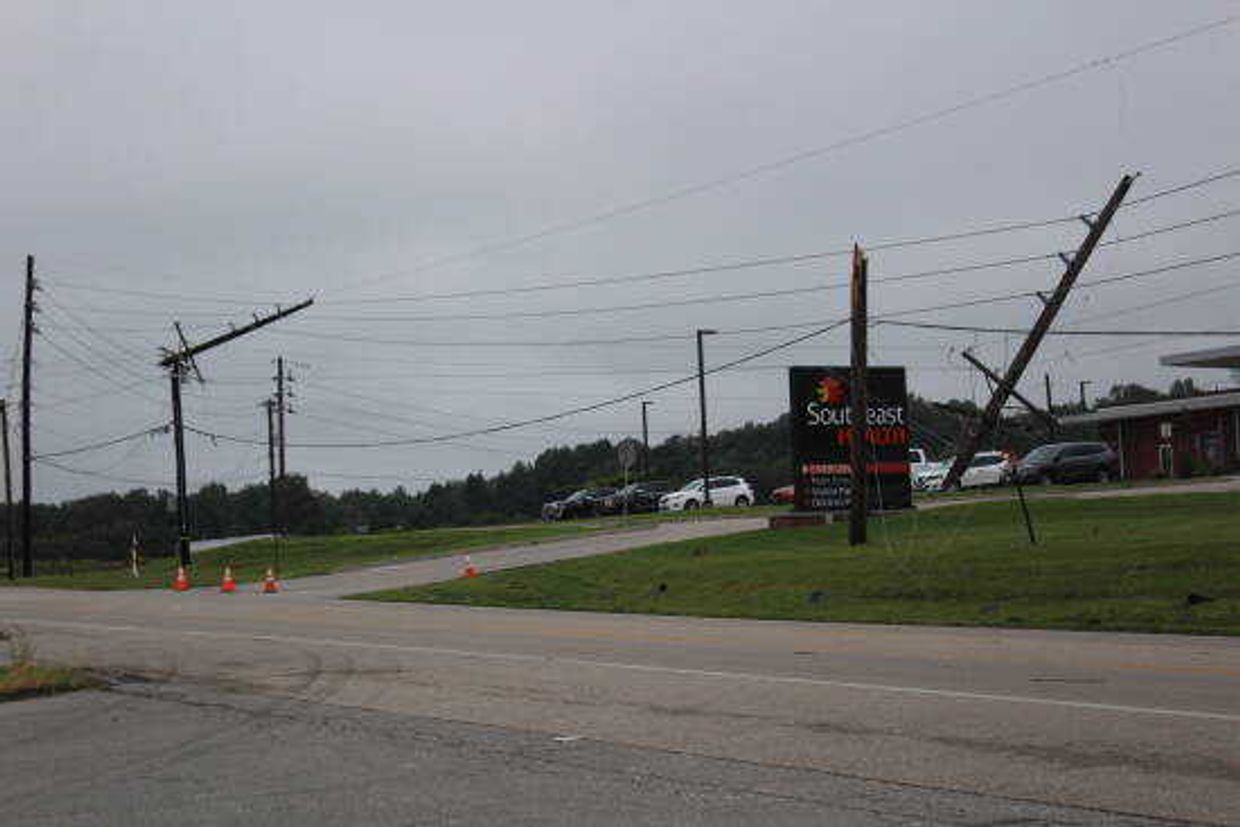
pixel 670 720
pixel 156 755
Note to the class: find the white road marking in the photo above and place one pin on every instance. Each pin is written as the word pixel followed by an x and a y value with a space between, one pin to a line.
pixel 514 657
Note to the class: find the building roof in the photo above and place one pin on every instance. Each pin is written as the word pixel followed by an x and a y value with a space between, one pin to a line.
pixel 1216 357
pixel 1163 407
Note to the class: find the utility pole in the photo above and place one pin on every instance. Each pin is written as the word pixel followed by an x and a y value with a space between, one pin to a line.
pixel 1052 426
pixel 274 504
pixel 175 375
pixel 27 480
pixel 858 402
pixel 1084 404
pixel 706 498
pixel 280 406
pixel 178 362
pixel 645 440
pixel 9 554
pixel 270 405
pixel 1073 266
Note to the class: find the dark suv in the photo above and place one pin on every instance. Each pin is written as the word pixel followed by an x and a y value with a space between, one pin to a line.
pixel 1069 462
pixel 583 503
pixel 636 498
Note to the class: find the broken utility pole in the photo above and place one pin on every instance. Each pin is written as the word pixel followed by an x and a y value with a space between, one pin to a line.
pixel 978 430
pixel 1047 418
pixel 178 362
pixel 858 453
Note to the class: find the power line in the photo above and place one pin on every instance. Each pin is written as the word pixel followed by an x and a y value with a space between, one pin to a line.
pixel 742 264
pixel 1105 61
pixel 508 426
pixel 764 294
pixel 105 443
pixel 1060 332
pixel 82 472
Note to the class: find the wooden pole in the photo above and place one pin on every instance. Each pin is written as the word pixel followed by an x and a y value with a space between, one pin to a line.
pixel 27 478
pixel 858 403
pixel 10 555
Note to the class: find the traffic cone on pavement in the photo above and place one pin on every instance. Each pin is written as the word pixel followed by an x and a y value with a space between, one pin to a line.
pixel 270 584
pixel 181 583
pixel 228 585
pixel 470 570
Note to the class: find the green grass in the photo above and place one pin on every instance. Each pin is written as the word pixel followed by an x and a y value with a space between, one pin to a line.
pixel 301 556
pixel 1117 564
pixel 24 680
pixel 21 677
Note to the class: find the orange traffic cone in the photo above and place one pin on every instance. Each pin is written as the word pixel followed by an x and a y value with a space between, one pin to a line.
pixel 181 583
pixel 270 584
pixel 470 569
pixel 228 585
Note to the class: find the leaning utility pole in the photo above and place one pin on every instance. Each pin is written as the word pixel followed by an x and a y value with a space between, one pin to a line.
pixel 178 362
pixel 27 480
pixel 9 555
pixel 973 437
pixel 858 402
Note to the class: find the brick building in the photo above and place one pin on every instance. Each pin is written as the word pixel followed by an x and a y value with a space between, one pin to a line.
pixel 1175 437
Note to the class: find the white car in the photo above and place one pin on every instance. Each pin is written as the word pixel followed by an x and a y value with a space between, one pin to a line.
pixel 987 468
pixel 724 491
pixel 919 467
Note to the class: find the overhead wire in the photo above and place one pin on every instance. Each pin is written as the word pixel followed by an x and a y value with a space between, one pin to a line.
pixel 106 442
pixel 895 127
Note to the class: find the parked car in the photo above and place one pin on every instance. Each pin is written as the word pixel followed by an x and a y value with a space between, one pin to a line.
pixel 636 498
pixel 1069 462
pixel 920 467
pixel 986 468
pixel 784 495
pixel 724 491
pixel 587 502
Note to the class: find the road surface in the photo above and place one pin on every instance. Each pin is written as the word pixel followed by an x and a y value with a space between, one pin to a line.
pixel 610 718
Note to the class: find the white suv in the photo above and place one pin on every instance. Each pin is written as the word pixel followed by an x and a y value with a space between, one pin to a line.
pixel 724 491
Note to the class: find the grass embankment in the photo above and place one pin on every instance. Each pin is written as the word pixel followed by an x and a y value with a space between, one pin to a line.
pixel 1168 563
pixel 301 556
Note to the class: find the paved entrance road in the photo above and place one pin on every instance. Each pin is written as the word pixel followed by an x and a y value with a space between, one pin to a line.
pixel 435 569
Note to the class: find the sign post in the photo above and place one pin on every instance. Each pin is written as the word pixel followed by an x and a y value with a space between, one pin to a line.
pixel 822 437
pixel 628 452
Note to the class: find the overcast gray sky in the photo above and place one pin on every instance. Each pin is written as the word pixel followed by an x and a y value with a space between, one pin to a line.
pixel 215 159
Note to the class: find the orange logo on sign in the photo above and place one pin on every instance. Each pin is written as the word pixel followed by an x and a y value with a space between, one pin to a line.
pixel 832 391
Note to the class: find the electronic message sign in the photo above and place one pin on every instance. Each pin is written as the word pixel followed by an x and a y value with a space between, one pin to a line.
pixel 821 425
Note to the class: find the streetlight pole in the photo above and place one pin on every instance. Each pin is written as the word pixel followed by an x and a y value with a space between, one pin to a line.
pixel 1084 404
pixel 645 440
pixel 706 500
